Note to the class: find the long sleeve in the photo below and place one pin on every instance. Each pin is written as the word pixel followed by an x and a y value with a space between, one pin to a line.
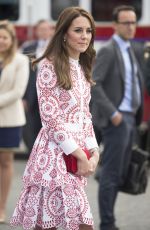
pixel 51 115
pixel 102 67
pixel 20 80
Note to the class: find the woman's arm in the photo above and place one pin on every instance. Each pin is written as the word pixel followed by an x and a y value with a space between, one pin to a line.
pixel 19 85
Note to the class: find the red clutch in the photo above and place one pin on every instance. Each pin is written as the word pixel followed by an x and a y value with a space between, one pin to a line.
pixel 71 161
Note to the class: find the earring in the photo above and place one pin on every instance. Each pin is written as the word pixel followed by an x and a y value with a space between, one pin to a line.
pixel 64 40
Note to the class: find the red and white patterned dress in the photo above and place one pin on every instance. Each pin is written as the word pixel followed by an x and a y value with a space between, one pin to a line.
pixel 52 197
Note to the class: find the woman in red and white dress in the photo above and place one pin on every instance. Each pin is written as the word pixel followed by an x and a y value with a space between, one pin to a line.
pixel 52 197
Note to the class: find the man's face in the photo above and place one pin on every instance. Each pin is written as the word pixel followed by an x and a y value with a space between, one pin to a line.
pixel 44 31
pixel 126 25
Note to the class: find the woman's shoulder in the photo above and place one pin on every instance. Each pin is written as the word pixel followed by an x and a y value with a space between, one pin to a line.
pixel 47 64
pixel 19 57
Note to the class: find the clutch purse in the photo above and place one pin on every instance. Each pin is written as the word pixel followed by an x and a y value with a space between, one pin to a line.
pixel 71 161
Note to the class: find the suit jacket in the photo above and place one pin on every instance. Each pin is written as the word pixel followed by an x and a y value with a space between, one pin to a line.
pixel 13 82
pixel 29 48
pixel 109 74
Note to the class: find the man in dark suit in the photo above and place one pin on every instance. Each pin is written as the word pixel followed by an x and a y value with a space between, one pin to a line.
pixel 35 48
pixel 116 106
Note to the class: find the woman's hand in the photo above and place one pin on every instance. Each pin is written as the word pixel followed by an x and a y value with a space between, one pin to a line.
pixel 83 167
pixel 86 167
pixel 93 161
pixel 82 162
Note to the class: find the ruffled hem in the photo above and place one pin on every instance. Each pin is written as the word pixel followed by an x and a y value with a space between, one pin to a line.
pixel 46 225
pixel 66 207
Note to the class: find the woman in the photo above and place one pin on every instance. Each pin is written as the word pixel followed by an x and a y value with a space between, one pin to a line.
pixel 52 197
pixel 13 81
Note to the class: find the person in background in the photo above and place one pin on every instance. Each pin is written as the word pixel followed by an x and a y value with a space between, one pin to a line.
pixel 147 95
pixel 117 105
pixel 53 197
pixel 144 128
pixel 147 67
pixel 14 72
pixel 43 32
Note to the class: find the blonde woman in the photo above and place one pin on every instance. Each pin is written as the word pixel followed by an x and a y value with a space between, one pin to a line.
pixel 14 71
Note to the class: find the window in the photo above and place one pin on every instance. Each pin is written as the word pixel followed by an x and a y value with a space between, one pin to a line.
pixel 9 9
pixel 59 5
pixel 102 10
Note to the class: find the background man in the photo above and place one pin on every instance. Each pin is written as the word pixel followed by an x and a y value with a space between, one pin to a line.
pixel 116 107
pixel 43 32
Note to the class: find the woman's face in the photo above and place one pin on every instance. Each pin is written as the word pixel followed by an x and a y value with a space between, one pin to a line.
pixel 78 36
pixel 5 41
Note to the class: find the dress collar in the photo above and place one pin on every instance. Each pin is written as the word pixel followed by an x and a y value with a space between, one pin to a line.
pixel 74 61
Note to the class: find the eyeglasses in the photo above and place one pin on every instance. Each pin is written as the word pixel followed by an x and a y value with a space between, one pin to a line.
pixel 127 23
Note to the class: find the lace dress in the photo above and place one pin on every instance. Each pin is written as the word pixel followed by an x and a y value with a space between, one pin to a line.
pixel 52 197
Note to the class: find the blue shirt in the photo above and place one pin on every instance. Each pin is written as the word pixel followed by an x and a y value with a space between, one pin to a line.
pixel 126 103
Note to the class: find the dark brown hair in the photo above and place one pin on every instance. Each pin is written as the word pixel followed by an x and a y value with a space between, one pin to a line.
pixel 57 50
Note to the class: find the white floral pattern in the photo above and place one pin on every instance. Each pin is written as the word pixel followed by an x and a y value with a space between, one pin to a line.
pixel 52 197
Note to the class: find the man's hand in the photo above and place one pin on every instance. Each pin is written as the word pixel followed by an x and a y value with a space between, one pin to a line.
pixel 117 119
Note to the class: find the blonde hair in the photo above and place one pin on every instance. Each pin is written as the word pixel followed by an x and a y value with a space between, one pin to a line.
pixel 6 25
pixel 57 49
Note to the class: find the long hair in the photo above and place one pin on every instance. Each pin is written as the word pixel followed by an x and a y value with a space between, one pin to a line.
pixel 57 49
pixel 9 54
